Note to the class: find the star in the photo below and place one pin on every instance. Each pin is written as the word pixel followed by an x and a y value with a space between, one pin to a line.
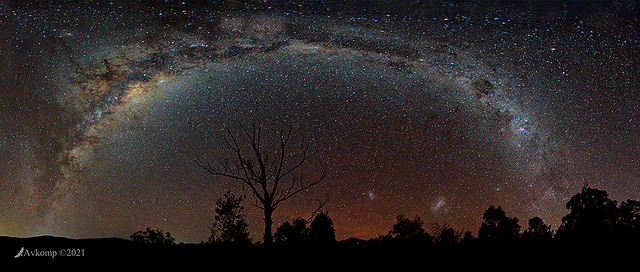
pixel 101 116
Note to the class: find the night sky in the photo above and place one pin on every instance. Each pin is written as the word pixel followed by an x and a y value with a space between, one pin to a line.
pixel 436 110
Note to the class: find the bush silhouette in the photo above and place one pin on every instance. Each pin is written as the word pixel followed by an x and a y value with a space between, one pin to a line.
pixel 445 234
pixel 299 232
pixel 405 228
pixel 295 233
pixel 407 234
pixel 152 236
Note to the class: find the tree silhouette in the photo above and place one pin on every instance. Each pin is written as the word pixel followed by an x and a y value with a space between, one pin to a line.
pixel 152 236
pixel 537 230
pixel 295 233
pixel 271 175
pixel 497 226
pixel 591 214
pixel 628 224
pixel 230 222
pixel 445 234
pixel 467 238
pixel 321 229
pixel 319 232
pixel 405 228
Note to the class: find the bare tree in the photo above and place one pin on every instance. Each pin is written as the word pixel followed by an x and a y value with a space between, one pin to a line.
pixel 273 176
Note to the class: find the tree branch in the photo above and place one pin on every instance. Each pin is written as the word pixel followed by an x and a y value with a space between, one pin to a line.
pixel 303 187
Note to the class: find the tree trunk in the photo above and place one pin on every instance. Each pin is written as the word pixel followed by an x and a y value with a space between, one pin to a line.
pixel 268 222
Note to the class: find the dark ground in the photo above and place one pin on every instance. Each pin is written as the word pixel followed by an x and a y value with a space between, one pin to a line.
pixel 114 253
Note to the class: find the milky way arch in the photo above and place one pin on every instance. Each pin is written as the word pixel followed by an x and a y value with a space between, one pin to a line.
pixel 104 83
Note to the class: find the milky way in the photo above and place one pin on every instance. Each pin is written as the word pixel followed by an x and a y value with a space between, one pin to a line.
pixel 437 113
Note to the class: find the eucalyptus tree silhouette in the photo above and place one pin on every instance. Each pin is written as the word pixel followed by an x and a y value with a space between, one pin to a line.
pixel 628 224
pixel 592 215
pixel 497 226
pixel 537 231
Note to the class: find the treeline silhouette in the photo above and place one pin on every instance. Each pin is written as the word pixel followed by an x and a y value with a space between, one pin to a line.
pixel 593 218
pixel 595 230
pixel 595 227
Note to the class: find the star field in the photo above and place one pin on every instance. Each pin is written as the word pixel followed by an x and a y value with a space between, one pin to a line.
pixel 437 111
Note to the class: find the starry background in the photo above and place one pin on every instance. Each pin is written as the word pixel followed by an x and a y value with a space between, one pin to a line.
pixel 436 109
